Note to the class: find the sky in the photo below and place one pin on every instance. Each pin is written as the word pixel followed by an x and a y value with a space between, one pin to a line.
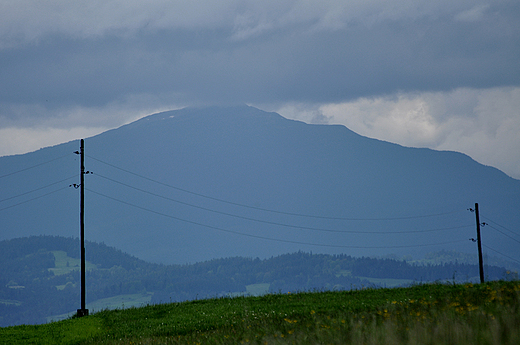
pixel 438 74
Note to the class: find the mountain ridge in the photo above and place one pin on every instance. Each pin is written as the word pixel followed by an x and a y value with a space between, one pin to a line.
pixel 257 161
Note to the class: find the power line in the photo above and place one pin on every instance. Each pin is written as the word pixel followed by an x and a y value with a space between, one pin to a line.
pixel 503 227
pixel 496 251
pixel 503 233
pixel 34 166
pixel 263 237
pixel 270 210
pixel 37 189
pixel 38 197
pixel 276 223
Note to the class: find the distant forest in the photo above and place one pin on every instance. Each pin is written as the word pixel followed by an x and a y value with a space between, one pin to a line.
pixel 30 290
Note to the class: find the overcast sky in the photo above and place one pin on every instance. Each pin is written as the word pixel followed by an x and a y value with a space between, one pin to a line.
pixel 439 74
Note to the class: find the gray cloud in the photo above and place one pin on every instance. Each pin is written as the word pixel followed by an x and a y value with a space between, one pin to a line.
pixel 98 64
pixel 481 123
pixel 29 20
pixel 291 63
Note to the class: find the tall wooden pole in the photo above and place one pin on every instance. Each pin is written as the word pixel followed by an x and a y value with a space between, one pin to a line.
pixel 479 245
pixel 83 311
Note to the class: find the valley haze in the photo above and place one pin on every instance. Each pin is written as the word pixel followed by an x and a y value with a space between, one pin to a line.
pixel 196 184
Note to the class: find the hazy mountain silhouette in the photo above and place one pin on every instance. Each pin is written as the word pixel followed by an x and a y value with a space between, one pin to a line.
pixel 311 175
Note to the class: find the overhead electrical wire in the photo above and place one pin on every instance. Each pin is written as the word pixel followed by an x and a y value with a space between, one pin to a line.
pixel 503 233
pixel 34 166
pixel 37 189
pixel 270 210
pixel 252 207
pixel 276 223
pixel 496 251
pixel 503 227
pixel 38 197
pixel 263 237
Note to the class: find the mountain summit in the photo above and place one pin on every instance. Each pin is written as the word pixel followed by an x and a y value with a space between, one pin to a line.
pixel 201 183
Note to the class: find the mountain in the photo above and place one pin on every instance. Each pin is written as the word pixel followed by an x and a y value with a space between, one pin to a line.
pixel 201 183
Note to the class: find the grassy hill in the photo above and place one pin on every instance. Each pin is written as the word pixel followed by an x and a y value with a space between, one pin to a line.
pixel 429 313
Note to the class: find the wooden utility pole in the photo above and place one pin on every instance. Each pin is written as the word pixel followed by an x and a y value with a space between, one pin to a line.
pixel 479 245
pixel 83 311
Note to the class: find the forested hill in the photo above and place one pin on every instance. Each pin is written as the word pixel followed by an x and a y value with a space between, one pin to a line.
pixel 99 254
pixel 39 278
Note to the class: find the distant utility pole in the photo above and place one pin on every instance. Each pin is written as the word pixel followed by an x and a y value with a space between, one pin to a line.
pixel 83 311
pixel 479 245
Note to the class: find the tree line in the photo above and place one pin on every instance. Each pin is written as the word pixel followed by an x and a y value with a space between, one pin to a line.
pixel 29 291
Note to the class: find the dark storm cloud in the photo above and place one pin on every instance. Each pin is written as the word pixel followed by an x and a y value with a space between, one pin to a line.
pixel 442 74
pixel 289 63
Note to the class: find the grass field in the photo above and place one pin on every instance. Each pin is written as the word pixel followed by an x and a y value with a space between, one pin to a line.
pixel 423 314
pixel 65 264
pixel 257 289
pixel 387 282
pixel 116 302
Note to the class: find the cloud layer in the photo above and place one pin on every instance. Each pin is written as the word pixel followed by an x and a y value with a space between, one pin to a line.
pixel 458 120
pixel 236 51
pixel 418 69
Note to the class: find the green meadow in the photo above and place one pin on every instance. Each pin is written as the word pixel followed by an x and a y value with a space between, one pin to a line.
pixel 486 313
pixel 115 302
pixel 65 264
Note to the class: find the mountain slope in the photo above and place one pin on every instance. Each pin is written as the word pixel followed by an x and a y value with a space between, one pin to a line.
pixel 255 162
